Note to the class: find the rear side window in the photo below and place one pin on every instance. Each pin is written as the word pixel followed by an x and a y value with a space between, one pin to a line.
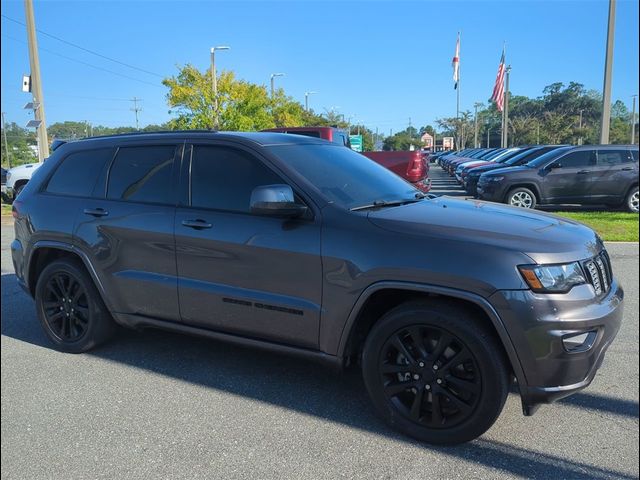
pixel 608 158
pixel 143 174
pixel 223 178
pixel 582 158
pixel 634 155
pixel 77 174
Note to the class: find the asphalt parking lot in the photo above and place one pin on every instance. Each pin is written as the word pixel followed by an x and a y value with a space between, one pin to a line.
pixel 159 405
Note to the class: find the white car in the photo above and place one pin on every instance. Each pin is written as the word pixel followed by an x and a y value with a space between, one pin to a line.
pixel 17 178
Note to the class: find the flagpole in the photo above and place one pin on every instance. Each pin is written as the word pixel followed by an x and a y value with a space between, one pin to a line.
pixel 458 98
pixel 502 132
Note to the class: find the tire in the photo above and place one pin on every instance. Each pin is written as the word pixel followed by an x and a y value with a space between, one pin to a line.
pixel 70 308
pixel 18 189
pixel 631 201
pixel 521 197
pixel 468 393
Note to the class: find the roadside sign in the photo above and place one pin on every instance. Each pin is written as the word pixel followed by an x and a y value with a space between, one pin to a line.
pixel 356 142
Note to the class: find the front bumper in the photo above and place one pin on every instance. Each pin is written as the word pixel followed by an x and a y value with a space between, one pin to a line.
pixel 539 325
pixel 491 191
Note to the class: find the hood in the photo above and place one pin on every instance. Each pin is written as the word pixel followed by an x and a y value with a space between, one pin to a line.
pixel 486 168
pixel 502 170
pixel 543 237
pixel 26 166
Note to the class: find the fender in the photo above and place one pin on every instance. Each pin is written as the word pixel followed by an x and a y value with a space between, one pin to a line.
pixel 445 291
pixel 72 249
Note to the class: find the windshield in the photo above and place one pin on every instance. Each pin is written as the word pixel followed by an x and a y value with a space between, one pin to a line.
pixel 343 176
pixel 547 157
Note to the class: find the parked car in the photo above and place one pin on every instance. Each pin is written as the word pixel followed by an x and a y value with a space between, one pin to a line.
pixel 470 179
pixel 410 165
pixel 594 174
pixel 18 177
pixel 496 159
pixel 297 245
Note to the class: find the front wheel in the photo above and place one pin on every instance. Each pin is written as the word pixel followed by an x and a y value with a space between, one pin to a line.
pixel 435 373
pixel 632 200
pixel 521 197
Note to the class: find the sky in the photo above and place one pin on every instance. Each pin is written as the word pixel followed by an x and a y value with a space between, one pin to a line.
pixel 383 64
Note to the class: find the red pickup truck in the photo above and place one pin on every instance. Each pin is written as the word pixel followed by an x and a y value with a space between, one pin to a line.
pixel 410 165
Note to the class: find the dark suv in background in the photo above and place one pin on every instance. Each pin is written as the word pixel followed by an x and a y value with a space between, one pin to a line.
pixel 297 245
pixel 594 174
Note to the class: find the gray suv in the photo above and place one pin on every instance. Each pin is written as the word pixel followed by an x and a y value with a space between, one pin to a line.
pixel 296 245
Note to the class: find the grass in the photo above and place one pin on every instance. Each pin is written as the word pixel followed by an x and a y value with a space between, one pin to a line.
pixel 611 226
pixel 6 209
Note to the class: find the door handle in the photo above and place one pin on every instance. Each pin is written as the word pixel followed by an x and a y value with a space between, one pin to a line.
pixel 198 224
pixel 96 212
pixel 626 169
pixel 582 172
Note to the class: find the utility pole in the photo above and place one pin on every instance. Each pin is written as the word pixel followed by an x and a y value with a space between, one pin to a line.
pixel 608 65
pixel 538 132
pixel 488 131
pixel 475 119
pixel 306 100
pixel 6 145
pixel 505 127
pixel 36 82
pixel 136 109
pixel 633 120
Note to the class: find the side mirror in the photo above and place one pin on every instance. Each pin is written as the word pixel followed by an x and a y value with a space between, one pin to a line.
pixel 554 165
pixel 275 201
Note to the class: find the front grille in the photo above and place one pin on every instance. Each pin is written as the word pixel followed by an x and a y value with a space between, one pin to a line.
pixel 599 273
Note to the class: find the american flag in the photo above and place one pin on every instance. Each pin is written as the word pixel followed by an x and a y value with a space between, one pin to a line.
pixel 455 63
pixel 498 88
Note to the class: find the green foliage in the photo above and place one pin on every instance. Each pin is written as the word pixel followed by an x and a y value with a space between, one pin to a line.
pixel 553 117
pixel 403 140
pixel 19 142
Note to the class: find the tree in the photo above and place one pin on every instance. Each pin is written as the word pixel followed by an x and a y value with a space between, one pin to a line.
pixel 403 140
pixel 21 144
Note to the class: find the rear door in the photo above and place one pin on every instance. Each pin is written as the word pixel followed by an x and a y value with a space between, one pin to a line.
pixel 573 181
pixel 241 273
pixel 127 230
pixel 614 173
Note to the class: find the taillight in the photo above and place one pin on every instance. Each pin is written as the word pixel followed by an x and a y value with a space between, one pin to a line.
pixel 15 212
pixel 416 169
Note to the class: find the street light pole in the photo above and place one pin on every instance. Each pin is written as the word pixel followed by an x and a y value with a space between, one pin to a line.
pixel 633 120
pixel 608 65
pixel 306 99
pixel 580 126
pixel 273 75
pixel 36 82
pixel 214 84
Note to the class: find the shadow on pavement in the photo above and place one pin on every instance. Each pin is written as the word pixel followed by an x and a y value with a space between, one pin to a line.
pixel 294 384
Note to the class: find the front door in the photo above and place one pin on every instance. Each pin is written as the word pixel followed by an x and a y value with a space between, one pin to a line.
pixel 241 273
pixel 573 180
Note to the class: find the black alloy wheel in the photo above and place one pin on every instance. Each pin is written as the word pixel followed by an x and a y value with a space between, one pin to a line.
pixel 66 307
pixel 70 308
pixel 430 376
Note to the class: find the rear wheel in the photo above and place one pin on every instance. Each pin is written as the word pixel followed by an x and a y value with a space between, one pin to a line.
pixel 632 200
pixel 434 373
pixel 521 197
pixel 70 308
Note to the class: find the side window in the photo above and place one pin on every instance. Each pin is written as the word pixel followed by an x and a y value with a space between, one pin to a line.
pixel 143 174
pixel 634 155
pixel 223 178
pixel 77 174
pixel 610 158
pixel 583 158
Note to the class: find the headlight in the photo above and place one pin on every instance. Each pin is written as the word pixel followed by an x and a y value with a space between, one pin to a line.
pixel 495 179
pixel 553 278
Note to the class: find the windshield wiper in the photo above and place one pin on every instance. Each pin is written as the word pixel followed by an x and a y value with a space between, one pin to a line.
pixel 386 203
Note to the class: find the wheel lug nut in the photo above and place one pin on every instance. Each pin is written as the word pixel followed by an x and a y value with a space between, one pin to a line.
pixel 416 376
pixel 421 364
pixel 435 367
pixel 427 387
pixel 439 381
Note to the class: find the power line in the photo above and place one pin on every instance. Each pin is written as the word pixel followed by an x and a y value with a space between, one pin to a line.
pixel 85 63
pixel 86 49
